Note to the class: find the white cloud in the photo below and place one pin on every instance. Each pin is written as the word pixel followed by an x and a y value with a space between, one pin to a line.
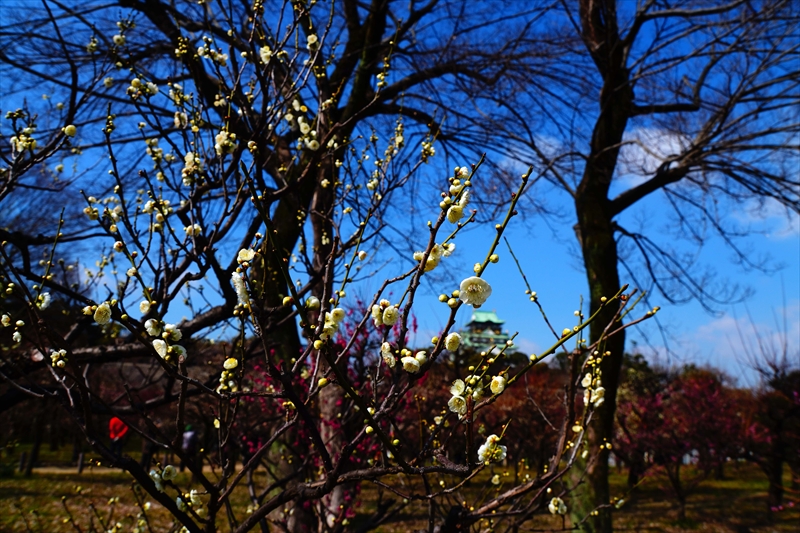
pixel 646 149
pixel 770 216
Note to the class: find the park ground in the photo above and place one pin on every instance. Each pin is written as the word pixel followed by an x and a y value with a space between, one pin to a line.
pixel 735 504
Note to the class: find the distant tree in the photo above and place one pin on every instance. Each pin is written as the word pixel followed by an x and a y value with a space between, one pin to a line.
pixel 688 100
pixel 693 414
pixel 239 167
pixel 772 437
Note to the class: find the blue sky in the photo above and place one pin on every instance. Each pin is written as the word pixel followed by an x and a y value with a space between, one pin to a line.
pixel 688 333
pixel 548 252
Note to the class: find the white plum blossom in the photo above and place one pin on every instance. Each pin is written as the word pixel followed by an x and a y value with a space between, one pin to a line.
pixel 474 291
pixel 161 347
pixel 144 307
pixel 172 333
pixel 230 363
pixel 458 405
pixel 194 230
pixel 458 387
pixel 455 213
pixel 597 397
pixel 241 289
pixel 477 394
pixel 58 358
pixel 153 327
pixel 225 143
pixel 410 364
pixel 557 506
pixel 5 320
pixel 388 356
pixel 312 302
pixel 491 451
pixel 377 315
pixel 390 316
pixel 338 314
pixel 156 477
pixel 169 473
pixel 17 336
pixel 245 255
pixel 102 314
pixel 586 382
pixel 452 342
pixel 433 258
pixel 44 300
pixel 498 384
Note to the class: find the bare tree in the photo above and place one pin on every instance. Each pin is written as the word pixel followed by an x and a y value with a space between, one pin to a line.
pixel 697 102
pixel 234 166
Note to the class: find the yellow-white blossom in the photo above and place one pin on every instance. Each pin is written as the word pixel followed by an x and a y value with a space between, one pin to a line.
pixel 491 451
pixel 455 213
pixel 498 384
pixel 161 347
pixel 241 289
pixel 452 342
pixel 388 356
pixel 245 255
pixel 474 291
pixel 338 314
pixel 390 316
pixel 194 230
pixel 102 314
pixel 230 363
pixel 169 473
pixel 598 396
pixel 377 315
pixel 172 333
pixel 458 405
pixel 410 364
pixel 153 327
pixel 557 506
pixel 458 387
pixel 224 142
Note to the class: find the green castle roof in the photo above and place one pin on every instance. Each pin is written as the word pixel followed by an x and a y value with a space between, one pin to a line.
pixel 485 316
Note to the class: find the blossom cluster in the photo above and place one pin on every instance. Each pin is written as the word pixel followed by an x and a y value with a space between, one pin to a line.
pixel 385 314
pixel 58 358
pixel 169 333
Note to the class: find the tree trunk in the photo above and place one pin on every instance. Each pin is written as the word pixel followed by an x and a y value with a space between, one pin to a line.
pixel 775 477
pixel 38 436
pixel 596 235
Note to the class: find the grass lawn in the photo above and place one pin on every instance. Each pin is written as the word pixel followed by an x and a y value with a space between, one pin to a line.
pixel 736 504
